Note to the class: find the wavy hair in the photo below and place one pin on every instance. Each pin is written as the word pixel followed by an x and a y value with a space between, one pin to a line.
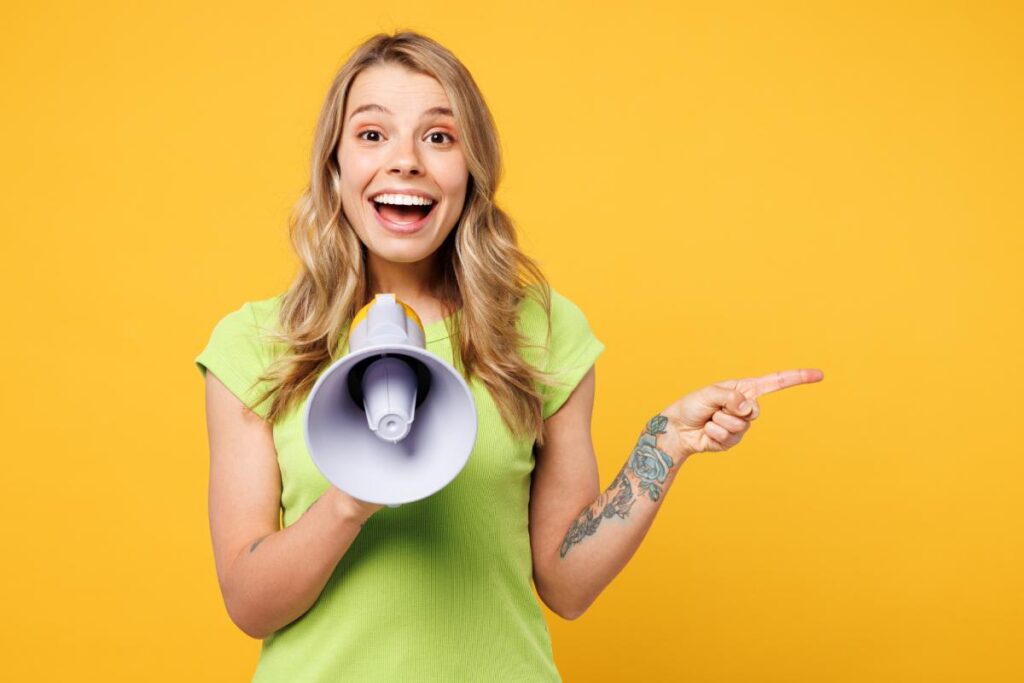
pixel 483 276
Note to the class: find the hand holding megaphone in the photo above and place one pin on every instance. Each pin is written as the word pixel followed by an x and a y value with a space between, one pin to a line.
pixel 389 423
pixel 353 508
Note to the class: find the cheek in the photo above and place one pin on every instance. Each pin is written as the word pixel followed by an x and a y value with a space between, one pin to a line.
pixel 454 180
pixel 356 172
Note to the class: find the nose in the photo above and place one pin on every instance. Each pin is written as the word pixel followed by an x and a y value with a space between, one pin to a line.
pixel 405 160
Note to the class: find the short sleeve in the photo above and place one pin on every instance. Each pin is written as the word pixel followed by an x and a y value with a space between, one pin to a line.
pixel 237 356
pixel 574 349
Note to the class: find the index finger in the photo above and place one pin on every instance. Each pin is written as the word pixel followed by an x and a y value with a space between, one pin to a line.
pixel 784 379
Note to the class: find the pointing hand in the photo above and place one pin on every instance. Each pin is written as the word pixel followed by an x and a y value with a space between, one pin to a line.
pixel 712 419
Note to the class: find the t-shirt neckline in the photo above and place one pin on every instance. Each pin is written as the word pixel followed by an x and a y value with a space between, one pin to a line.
pixel 437 330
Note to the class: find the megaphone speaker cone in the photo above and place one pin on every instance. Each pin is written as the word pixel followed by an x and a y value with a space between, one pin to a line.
pixel 356 459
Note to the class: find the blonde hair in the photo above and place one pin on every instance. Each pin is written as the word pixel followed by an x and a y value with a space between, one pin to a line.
pixel 483 275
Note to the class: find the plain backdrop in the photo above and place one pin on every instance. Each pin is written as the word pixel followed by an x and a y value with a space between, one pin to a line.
pixel 725 189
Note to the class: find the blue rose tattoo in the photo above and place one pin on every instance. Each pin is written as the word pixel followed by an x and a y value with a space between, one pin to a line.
pixel 647 463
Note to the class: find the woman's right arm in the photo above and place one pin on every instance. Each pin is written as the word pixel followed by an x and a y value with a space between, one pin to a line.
pixel 268 576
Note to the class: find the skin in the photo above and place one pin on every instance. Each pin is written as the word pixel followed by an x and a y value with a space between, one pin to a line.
pixel 577 549
pixel 712 419
pixel 406 149
pixel 271 576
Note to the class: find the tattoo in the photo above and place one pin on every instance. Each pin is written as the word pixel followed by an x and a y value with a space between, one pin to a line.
pixel 647 463
pixel 253 547
pixel 620 493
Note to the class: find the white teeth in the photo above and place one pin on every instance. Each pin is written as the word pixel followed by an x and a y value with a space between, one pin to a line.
pixel 406 199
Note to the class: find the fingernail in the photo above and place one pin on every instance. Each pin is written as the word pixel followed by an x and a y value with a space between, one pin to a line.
pixel 744 407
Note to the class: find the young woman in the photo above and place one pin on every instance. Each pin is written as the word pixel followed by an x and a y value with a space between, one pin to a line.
pixel 405 166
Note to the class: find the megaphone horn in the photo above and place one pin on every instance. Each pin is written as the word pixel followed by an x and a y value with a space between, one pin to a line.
pixel 389 423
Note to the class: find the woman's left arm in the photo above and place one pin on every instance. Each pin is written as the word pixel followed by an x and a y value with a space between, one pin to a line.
pixel 576 554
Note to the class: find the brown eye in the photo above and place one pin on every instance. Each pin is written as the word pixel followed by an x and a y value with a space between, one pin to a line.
pixel 369 132
pixel 443 135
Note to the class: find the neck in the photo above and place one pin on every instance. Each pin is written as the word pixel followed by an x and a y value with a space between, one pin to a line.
pixel 410 282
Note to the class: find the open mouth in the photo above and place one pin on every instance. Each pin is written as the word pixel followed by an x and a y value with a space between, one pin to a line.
pixel 402 214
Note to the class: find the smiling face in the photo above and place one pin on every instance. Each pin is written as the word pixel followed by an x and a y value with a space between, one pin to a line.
pixel 400 147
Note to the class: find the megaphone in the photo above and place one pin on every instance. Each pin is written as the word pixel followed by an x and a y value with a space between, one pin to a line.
pixel 389 423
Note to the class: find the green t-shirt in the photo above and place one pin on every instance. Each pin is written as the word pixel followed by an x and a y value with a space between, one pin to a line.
pixel 434 590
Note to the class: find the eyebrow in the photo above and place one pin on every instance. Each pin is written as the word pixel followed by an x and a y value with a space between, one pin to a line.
pixel 433 111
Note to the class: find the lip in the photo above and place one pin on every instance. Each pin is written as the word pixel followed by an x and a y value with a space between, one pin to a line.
pixel 400 228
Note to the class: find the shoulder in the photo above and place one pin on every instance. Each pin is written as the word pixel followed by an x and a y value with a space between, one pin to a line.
pixel 251 316
pixel 567 354
pixel 264 312
pixel 244 331
pixel 566 316
pixel 563 340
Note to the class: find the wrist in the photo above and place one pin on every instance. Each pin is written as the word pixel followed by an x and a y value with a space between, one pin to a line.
pixel 681 458
pixel 655 459
pixel 678 455
pixel 346 508
pixel 676 448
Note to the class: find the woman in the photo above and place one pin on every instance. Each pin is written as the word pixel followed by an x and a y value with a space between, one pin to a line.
pixel 401 199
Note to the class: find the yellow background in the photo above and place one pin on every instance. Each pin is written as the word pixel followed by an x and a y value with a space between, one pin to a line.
pixel 725 189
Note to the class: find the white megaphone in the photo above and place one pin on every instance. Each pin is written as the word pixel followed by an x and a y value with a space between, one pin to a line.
pixel 389 423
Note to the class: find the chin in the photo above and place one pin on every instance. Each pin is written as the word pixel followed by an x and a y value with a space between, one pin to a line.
pixel 412 254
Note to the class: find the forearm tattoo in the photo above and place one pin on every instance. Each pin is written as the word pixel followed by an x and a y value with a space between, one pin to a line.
pixel 616 501
pixel 648 466
pixel 649 463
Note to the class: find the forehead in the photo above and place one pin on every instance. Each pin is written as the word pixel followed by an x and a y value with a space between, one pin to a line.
pixel 396 88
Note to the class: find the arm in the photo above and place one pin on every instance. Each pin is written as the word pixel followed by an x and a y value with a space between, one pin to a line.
pixel 582 538
pixel 268 576
pixel 579 546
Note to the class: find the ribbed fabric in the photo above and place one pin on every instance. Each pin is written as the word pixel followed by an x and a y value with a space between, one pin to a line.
pixel 435 590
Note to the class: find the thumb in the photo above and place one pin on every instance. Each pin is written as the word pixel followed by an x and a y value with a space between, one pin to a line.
pixel 719 397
